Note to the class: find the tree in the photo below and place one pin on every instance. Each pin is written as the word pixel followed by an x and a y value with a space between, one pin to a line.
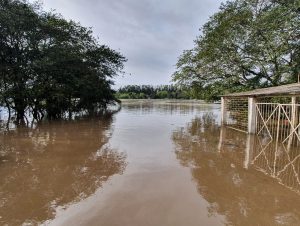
pixel 50 65
pixel 18 35
pixel 248 44
pixel 152 92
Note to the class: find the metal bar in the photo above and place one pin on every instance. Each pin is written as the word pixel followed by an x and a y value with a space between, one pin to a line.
pixel 230 127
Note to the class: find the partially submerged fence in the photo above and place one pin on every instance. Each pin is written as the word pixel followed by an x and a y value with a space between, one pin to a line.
pixel 272 116
pixel 273 120
pixel 277 146
pixel 273 158
pixel 277 159
pixel 236 113
pixel 279 122
pixel 247 113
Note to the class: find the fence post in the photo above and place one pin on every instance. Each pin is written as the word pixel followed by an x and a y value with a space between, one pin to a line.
pixel 223 111
pixel 294 121
pixel 251 115
pixel 249 150
pixel 222 138
pixel 298 114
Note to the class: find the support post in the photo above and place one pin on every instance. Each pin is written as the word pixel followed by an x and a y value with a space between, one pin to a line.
pixel 223 111
pixel 249 150
pixel 298 114
pixel 294 121
pixel 222 138
pixel 251 115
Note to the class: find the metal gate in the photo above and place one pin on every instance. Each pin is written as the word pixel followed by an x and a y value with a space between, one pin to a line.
pixel 278 142
pixel 279 122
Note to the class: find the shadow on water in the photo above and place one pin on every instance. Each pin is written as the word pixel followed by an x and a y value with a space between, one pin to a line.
pixel 53 165
pixel 227 167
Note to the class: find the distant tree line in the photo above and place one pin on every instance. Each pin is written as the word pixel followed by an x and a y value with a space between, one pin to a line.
pixel 152 92
pixel 50 66
pixel 248 44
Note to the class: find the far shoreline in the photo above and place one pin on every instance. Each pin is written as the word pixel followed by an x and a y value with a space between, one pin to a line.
pixel 167 101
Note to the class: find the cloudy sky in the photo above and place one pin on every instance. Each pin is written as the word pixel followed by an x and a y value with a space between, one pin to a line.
pixel 151 34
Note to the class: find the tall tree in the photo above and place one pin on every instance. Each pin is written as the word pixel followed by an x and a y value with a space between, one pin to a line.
pixel 247 44
pixel 18 32
pixel 52 66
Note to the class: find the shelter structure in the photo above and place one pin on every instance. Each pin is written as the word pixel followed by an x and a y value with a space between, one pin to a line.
pixel 271 117
pixel 269 112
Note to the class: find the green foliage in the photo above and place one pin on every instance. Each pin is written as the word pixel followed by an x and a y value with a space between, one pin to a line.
pixel 51 65
pixel 151 92
pixel 162 94
pixel 248 44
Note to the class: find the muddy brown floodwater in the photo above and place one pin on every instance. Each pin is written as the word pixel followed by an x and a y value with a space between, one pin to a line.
pixel 152 163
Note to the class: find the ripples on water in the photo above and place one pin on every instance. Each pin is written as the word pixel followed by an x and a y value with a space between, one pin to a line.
pixel 152 163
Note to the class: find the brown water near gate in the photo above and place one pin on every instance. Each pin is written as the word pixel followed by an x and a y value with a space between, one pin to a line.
pixel 152 163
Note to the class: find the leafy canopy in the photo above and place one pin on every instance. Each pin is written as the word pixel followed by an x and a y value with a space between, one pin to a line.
pixel 248 44
pixel 51 66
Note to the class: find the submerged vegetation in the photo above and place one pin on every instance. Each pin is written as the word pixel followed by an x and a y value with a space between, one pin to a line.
pixel 248 44
pixel 51 66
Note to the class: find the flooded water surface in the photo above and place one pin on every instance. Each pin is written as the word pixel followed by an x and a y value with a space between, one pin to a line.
pixel 152 163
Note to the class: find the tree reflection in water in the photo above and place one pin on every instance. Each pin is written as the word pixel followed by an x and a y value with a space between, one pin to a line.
pixel 226 175
pixel 55 164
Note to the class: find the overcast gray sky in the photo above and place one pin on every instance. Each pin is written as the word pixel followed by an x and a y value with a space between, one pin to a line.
pixel 151 34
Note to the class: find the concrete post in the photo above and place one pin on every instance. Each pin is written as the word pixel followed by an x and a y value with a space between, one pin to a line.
pixel 222 138
pixel 251 115
pixel 249 150
pixel 294 121
pixel 223 111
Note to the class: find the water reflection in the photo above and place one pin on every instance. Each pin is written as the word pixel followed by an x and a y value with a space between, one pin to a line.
pixel 227 173
pixel 53 165
pixel 277 160
pixel 166 107
pixel 270 157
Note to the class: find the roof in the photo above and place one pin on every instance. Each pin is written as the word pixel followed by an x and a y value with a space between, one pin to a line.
pixel 285 90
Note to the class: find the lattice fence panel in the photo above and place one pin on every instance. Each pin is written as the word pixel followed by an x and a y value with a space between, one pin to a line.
pixel 237 113
pixel 277 150
pixel 272 158
pixel 277 100
pixel 267 120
